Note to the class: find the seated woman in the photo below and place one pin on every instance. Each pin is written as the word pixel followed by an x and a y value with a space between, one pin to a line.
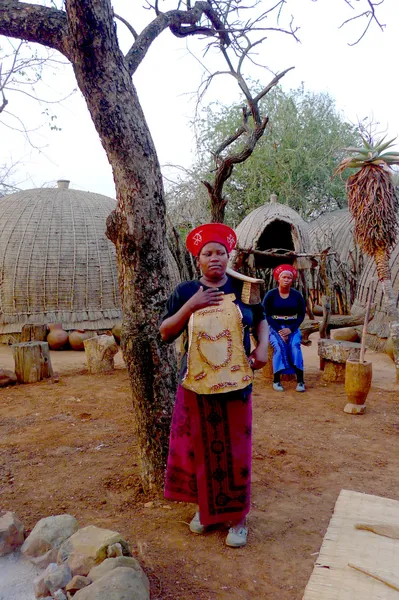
pixel 285 310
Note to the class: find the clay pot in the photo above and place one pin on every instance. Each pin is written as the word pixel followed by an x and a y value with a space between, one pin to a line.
pixel 317 310
pixel 347 334
pixel 57 337
pixel 77 337
pixel 389 348
pixel 116 332
pixel 357 383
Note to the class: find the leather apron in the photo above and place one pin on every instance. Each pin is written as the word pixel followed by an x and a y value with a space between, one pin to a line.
pixel 216 359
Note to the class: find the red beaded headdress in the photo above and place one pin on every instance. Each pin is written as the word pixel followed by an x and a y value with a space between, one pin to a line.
pixel 211 232
pixel 281 268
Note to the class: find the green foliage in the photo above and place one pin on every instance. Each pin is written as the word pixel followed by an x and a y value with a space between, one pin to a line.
pixel 295 158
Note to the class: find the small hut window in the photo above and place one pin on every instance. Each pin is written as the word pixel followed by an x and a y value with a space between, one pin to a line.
pixel 278 234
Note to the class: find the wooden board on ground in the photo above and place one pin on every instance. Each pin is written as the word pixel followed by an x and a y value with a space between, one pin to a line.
pixel 332 577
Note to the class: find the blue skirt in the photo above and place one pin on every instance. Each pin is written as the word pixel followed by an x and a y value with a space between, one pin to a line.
pixel 286 355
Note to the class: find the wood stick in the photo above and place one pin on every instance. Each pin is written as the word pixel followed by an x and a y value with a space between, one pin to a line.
pixel 366 320
pixel 391 584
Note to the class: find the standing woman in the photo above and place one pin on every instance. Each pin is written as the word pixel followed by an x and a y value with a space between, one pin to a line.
pixel 285 310
pixel 209 460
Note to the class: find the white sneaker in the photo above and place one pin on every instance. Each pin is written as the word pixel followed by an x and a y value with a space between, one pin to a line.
pixel 196 525
pixel 300 387
pixel 278 387
pixel 237 537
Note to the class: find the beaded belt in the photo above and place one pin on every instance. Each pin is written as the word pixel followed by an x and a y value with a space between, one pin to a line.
pixel 284 317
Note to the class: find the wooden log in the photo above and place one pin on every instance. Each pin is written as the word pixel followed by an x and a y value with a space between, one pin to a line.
pixel 100 351
pixel 333 372
pixel 33 332
pixel 32 361
pixel 335 322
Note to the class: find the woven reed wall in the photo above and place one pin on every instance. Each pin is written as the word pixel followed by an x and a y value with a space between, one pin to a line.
pixel 56 264
pixel 335 231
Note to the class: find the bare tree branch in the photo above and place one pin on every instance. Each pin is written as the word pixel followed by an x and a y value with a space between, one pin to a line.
pixel 370 15
pixel 34 23
pixel 128 25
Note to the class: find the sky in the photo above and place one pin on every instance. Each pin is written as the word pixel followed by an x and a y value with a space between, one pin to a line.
pixel 361 78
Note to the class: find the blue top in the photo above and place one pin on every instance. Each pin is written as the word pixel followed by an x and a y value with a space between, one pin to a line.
pixel 292 307
pixel 252 314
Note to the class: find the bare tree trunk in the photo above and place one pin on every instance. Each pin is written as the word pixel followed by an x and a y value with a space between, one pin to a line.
pixel 137 226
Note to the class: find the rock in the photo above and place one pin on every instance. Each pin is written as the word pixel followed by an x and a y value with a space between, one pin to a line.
pixel 58 578
pixel 114 550
pixel 389 348
pixel 39 585
pixel 110 564
pixel 122 583
pixel 11 533
pixel 42 545
pixel 59 595
pixel 88 547
pixel 78 583
pixel 347 334
pixel 7 377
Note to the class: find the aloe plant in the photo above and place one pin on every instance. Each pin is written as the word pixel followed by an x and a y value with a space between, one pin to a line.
pixel 374 206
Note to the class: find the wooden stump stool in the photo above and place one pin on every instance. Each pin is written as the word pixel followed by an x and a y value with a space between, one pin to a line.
pixel 267 370
pixel 32 361
pixel 333 356
pixel 32 332
pixel 100 351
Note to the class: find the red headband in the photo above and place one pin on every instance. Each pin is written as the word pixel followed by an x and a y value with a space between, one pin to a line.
pixel 211 232
pixel 281 268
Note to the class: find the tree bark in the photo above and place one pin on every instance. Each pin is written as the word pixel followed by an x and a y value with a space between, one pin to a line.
pixel 137 226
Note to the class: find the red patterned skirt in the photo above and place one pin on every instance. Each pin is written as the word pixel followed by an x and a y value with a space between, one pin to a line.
pixel 209 460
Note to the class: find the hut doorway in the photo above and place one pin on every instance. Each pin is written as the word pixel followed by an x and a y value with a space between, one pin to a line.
pixel 276 235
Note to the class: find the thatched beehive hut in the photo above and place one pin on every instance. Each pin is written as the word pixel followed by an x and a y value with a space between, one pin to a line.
pixel 378 328
pixel 274 226
pixel 334 232
pixel 56 263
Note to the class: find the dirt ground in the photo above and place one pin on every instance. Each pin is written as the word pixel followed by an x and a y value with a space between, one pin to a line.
pixel 70 447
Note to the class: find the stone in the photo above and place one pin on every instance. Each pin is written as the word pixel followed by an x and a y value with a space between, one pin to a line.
pixel 121 583
pixel 59 595
pixel 11 533
pixel 7 378
pixel 42 545
pixel 389 348
pixel 88 547
pixel 58 578
pixel 78 582
pixel 39 586
pixel 109 564
pixel 347 334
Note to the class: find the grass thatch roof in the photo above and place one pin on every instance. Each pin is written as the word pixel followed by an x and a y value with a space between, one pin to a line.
pixel 56 263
